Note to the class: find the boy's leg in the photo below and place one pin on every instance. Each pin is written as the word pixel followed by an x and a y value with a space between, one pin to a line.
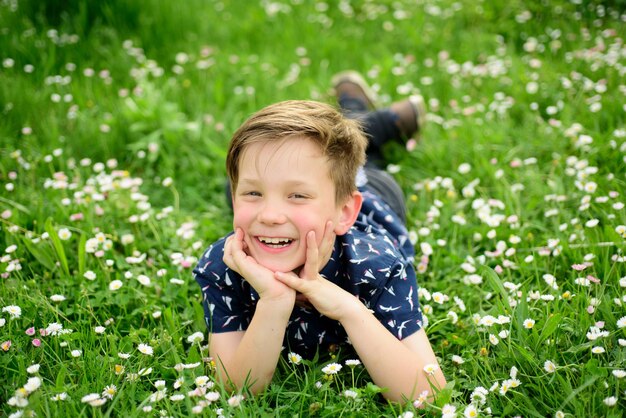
pixel 400 121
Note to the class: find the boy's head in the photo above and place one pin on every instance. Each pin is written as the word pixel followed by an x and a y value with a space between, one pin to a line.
pixel 292 168
pixel 339 139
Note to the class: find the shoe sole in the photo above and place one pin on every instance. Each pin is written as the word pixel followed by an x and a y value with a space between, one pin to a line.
pixel 358 80
pixel 419 107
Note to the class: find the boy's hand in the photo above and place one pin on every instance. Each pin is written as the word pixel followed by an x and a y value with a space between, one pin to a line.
pixel 259 277
pixel 328 298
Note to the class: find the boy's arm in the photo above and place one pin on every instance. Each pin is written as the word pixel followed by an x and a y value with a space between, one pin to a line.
pixel 250 357
pixel 394 364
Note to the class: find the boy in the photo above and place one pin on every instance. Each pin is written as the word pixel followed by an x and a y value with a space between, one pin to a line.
pixel 314 260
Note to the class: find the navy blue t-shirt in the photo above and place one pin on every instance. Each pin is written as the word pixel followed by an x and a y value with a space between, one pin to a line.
pixel 372 261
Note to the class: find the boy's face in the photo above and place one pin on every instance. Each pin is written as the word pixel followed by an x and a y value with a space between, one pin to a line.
pixel 284 191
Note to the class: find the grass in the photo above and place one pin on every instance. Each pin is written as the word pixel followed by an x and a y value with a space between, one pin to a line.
pixel 115 120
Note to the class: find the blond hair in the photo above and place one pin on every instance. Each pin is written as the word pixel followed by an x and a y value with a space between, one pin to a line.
pixel 340 139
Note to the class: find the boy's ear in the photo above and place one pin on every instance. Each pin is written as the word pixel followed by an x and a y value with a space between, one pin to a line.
pixel 349 210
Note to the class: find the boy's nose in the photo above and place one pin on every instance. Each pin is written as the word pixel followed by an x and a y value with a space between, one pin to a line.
pixel 272 213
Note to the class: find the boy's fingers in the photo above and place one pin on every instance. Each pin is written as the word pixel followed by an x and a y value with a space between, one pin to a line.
pixel 311 264
pixel 290 279
pixel 327 243
pixel 329 235
pixel 234 255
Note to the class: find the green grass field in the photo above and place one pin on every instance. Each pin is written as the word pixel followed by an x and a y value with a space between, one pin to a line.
pixel 115 117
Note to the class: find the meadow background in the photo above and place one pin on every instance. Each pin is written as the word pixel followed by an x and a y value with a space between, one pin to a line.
pixel 115 118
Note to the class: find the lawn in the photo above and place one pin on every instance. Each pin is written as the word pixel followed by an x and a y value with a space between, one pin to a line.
pixel 115 118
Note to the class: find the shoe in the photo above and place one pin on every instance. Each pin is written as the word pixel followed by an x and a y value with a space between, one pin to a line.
pixel 410 115
pixel 352 92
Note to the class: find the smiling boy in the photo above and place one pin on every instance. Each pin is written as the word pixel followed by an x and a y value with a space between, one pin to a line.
pixel 314 260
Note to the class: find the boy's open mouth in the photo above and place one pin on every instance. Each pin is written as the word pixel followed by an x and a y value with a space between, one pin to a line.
pixel 275 242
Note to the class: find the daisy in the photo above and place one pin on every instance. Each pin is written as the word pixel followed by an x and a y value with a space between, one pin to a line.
pixel 421 399
pixel 196 337
pixel 610 401
pixel 350 394
pixel 32 369
pixel 212 396
pixel 332 368
pixel 504 388
pixel 448 411
pixel 294 358
pixel 54 329
pixel 13 310
pixel 430 369
pixel 353 363
pixel 621 323
pixel 109 391
pixel 597 350
pixel 235 400
pixel 115 285
pixel 145 371
pixel 529 323
pixel 33 384
pixel 470 412
pixel 619 373
pixel 145 349
pixel 143 279
pixel 487 320
pixel 202 381
pixel 453 317
pixel 479 395
pixel 549 366
pixel 65 234
pixel 90 398
pixel 89 275
pixel 59 397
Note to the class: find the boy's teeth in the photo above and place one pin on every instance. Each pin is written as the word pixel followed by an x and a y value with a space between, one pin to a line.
pixel 267 240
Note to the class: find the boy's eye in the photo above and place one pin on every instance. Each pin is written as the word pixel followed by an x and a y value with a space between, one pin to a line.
pixel 298 196
pixel 251 193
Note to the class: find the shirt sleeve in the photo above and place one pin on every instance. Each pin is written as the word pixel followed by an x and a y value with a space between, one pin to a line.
pixel 397 306
pixel 226 297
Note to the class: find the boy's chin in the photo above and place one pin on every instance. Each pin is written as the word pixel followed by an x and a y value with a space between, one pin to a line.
pixel 282 267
